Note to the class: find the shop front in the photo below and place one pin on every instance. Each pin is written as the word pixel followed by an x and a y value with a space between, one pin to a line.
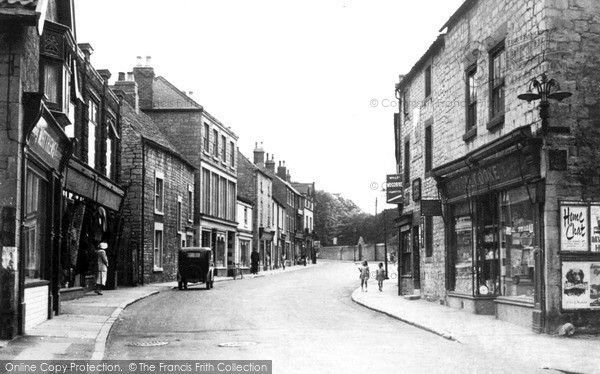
pixel 494 201
pixel 47 150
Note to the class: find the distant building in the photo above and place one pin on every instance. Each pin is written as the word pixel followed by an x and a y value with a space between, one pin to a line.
pixel 245 214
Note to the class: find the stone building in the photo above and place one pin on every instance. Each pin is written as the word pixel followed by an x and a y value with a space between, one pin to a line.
pixel 59 151
pixel 501 202
pixel 245 213
pixel 158 210
pixel 211 147
pixel 307 206
pixel 256 185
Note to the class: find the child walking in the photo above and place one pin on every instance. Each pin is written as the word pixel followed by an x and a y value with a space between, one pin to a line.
pixel 364 276
pixel 380 276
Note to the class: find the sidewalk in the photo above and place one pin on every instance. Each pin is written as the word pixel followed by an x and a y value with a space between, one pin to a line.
pixel 81 330
pixel 572 355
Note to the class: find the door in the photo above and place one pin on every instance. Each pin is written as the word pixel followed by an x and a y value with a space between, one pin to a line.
pixel 416 258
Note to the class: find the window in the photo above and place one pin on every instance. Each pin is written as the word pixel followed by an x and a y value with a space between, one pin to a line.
pixel 158 246
pixel 224 149
pixel 158 193
pixel 93 120
pixel 206 138
pixel 205 196
pixel 245 216
pixel 461 252
pixel 406 101
pixel 52 87
pixel 428 236
pixel 190 204
pixel 428 81
pixel 179 220
pixel 216 143
pixel 497 73
pixel 244 256
pixel 471 99
pixel 406 252
pixel 407 161
pixel 232 154
pixel 35 227
pixel 428 146
pixel 111 149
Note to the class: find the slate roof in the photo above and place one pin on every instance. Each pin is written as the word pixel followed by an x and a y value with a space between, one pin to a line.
pixel 167 96
pixel 146 128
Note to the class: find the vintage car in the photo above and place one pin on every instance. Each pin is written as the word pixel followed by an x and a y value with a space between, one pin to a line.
pixel 195 266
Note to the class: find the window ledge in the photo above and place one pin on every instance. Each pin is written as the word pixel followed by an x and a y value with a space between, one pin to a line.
pixel 495 123
pixel 157 270
pixel 469 135
pixel 516 301
pixel 36 283
pixel 159 213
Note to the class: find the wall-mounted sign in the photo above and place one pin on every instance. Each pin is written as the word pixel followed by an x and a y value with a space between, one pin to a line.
pixel 431 208
pixel 595 227
pixel 574 226
pixel 416 189
pixel 394 190
pixel 580 285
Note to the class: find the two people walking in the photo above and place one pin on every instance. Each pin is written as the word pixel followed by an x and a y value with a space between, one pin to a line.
pixel 365 274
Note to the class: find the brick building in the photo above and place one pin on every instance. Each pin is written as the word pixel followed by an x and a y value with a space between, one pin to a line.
pixel 256 185
pixel 496 200
pixel 211 147
pixel 59 147
pixel 158 209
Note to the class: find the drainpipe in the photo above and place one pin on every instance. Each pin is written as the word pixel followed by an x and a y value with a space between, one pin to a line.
pixel 141 242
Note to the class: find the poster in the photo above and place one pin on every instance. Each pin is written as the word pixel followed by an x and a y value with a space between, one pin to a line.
pixel 595 227
pixel 574 227
pixel 580 285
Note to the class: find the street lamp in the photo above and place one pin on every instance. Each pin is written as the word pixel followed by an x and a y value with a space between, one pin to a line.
pixel 355 242
pixel 546 89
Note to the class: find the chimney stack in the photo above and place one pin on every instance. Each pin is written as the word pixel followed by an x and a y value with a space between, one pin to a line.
pixel 288 177
pixel 144 77
pixel 259 156
pixel 270 163
pixel 282 171
pixel 139 61
pixel 87 50
pixel 129 88
pixel 105 74
pixel 148 59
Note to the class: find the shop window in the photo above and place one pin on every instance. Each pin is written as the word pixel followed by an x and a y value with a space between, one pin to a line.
pixel 497 85
pixel 158 246
pixel 428 236
pixel 93 120
pixel 519 239
pixel 471 99
pixel 35 225
pixel 244 253
pixel 159 192
pixel 220 260
pixel 461 254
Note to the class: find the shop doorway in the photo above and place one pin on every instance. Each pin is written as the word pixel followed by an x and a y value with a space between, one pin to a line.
pixel 416 273
pixel 488 275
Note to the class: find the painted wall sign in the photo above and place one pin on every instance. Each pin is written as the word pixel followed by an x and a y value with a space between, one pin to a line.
pixel 48 142
pixel 580 285
pixel 595 227
pixel 574 226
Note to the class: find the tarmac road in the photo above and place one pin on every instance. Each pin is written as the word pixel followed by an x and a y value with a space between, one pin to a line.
pixel 304 321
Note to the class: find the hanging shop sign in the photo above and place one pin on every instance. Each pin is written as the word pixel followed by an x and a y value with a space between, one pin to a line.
pixel 431 208
pixel 574 226
pixel 394 190
pixel 580 285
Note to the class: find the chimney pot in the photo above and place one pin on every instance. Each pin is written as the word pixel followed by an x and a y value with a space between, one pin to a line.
pixel 139 61
pixel 148 59
pixel 121 76
pixel 191 93
pixel 130 76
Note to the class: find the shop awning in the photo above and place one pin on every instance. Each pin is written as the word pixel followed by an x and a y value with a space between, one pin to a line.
pixel 92 185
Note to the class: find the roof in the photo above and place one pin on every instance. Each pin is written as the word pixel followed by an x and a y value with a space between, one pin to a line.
pixel 18 4
pixel 464 8
pixel 245 200
pixel 304 188
pixel 148 130
pixel 254 167
pixel 167 96
pixel 433 48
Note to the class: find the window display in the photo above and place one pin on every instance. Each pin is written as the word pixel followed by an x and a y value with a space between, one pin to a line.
pixel 488 281
pixel 34 228
pixel 519 239
pixel 463 265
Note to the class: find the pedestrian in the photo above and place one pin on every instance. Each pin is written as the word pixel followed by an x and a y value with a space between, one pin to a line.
pixel 380 276
pixel 102 261
pixel 283 260
pixel 254 258
pixel 364 276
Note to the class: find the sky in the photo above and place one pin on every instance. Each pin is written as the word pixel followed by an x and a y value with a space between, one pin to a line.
pixel 311 80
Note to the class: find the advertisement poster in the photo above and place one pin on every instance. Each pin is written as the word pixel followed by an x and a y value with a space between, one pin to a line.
pixel 595 227
pixel 580 285
pixel 574 227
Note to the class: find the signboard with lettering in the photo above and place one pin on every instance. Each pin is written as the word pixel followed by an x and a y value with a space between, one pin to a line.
pixel 49 142
pixel 416 187
pixel 394 189
pixel 580 284
pixel 574 226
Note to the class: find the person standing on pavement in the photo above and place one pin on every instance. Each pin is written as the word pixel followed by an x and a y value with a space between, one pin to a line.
pixel 380 276
pixel 364 276
pixel 102 261
pixel 254 259
pixel 283 260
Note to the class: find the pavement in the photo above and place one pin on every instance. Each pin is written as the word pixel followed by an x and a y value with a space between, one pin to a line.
pixel 81 331
pixel 577 354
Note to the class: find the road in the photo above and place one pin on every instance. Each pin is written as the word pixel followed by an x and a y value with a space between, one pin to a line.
pixel 305 321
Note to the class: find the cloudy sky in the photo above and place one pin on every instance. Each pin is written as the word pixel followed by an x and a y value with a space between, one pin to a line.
pixel 312 80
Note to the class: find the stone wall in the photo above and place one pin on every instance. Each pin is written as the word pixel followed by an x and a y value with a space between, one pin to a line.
pixel 370 252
